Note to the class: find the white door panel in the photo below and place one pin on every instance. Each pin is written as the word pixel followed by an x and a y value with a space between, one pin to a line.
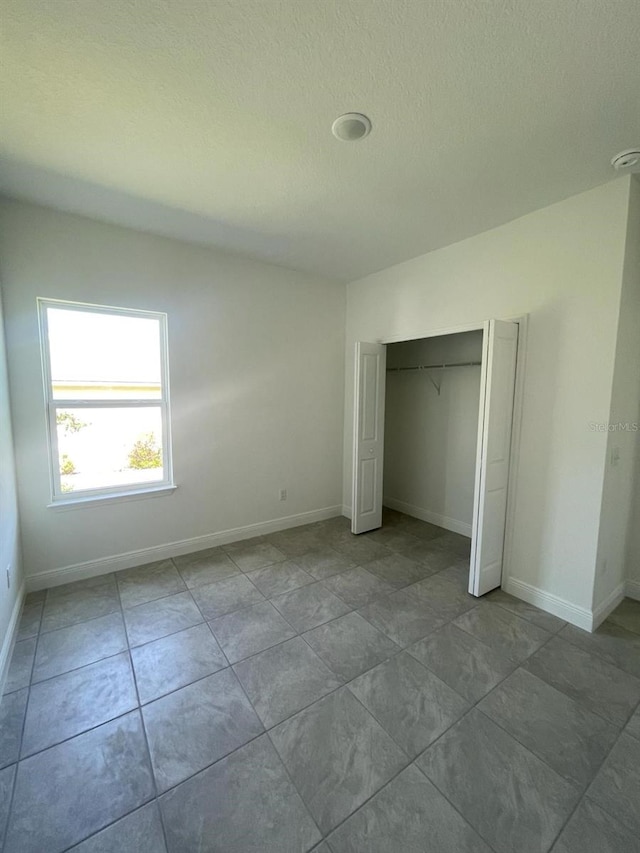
pixel 368 444
pixel 497 390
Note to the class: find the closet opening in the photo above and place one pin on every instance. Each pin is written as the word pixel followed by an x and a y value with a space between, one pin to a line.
pixel 432 439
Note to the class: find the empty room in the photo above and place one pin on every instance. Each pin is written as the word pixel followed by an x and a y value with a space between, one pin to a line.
pixel 319 426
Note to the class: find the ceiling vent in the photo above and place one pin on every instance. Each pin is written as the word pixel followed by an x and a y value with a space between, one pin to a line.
pixel 627 161
pixel 351 127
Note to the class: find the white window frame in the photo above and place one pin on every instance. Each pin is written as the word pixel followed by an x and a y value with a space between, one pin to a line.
pixel 90 496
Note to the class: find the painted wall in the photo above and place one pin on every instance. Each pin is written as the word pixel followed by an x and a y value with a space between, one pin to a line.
pixel 431 438
pixel 9 524
pixel 619 542
pixel 257 382
pixel 563 266
pixel 633 542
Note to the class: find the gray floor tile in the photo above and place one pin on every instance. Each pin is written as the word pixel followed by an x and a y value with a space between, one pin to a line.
pixel 225 596
pixel 30 620
pixel 297 540
pixel 64 589
pixel 511 798
pixel 78 604
pixel 248 557
pixel 454 542
pixel 350 645
pixel 155 619
pixel 464 663
pixel 412 704
pixel 358 548
pixel 591 830
pixel 357 587
pixel 502 630
pixel 205 567
pixel 197 725
pixel 78 645
pixel 571 739
pixel 431 559
pixel 69 704
pixel 243 804
pixel 38 595
pixel 310 606
pixel 394 538
pixel 279 578
pixel 138 832
pixel 284 679
pixel 70 791
pixel 12 708
pixel 250 630
pixel 525 610
pixel 396 570
pixel 146 583
pixel 596 684
pixel 407 816
pixel 445 596
pixel 19 672
pixel 6 789
pixel 337 756
pixel 616 788
pixel 611 642
pixel 176 661
pixel 321 848
pixel 633 728
pixel 324 562
pixel 422 529
pixel 402 617
pixel 627 615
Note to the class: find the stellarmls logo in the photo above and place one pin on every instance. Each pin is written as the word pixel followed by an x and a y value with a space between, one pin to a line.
pixel 621 426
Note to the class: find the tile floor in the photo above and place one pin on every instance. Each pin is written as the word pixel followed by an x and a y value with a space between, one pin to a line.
pixel 311 690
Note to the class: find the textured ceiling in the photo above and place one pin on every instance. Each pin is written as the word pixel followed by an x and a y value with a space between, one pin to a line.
pixel 211 118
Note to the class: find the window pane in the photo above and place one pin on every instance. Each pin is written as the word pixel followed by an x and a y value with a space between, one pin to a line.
pixel 102 448
pixel 108 356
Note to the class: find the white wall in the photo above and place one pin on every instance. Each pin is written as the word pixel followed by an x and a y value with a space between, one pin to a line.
pixel 256 365
pixel 633 541
pixel 619 542
pixel 430 438
pixel 618 486
pixel 9 525
pixel 563 266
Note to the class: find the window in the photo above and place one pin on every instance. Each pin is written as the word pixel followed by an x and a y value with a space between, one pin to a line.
pixel 107 398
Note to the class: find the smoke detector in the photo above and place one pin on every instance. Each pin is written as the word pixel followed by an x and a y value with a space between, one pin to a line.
pixel 627 161
pixel 351 127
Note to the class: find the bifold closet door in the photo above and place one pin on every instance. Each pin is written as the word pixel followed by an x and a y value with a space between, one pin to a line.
pixel 368 436
pixel 497 389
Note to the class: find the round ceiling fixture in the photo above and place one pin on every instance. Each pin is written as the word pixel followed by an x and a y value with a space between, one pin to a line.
pixel 351 127
pixel 627 161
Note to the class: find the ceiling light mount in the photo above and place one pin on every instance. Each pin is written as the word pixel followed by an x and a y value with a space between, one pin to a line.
pixel 627 161
pixel 351 127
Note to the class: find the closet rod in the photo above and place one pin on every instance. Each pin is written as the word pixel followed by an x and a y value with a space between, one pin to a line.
pixel 436 366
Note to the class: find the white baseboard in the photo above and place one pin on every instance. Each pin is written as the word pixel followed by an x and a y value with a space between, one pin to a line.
pixel 346 511
pixel 10 636
pixel 103 565
pixel 426 515
pixel 632 589
pixel 579 616
pixel 607 606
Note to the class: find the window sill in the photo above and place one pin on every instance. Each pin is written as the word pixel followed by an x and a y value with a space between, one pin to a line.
pixel 114 497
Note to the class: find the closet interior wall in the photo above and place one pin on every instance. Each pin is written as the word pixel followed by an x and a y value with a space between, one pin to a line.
pixel 430 437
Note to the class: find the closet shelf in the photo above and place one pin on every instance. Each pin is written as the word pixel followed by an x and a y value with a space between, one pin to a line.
pixel 436 366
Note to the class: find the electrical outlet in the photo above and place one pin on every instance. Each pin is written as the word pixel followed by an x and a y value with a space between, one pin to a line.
pixel 283 494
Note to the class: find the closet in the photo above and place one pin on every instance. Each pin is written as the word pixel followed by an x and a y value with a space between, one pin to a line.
pixel 446 436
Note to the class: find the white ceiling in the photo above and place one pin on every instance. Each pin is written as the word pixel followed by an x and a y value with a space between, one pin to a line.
pixel 211 119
